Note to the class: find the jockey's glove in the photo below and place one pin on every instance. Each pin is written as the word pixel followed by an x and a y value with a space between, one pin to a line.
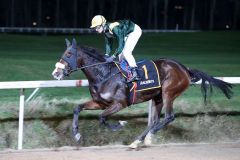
pixel 110 59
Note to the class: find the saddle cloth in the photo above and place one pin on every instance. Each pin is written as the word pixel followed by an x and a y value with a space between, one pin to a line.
pixel 149 77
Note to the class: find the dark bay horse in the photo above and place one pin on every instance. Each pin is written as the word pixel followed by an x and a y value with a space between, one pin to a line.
pixel 109 90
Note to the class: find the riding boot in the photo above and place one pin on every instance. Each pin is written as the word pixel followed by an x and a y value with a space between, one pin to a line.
pixel 135 76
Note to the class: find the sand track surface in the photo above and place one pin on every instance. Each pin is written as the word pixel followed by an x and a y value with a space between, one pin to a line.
pixel 200 151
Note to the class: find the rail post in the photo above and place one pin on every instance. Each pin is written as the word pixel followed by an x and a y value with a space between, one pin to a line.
pixel 21 117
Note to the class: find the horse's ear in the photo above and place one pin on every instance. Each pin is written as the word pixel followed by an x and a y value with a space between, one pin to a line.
pixel 74 43
pixel 68 43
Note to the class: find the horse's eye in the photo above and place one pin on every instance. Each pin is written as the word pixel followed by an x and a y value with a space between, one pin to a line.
pixel 68 54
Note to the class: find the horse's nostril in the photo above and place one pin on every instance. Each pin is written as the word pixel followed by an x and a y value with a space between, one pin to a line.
pixel 55 74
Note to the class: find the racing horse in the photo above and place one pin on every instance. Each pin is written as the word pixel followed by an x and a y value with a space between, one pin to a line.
pixel 109 90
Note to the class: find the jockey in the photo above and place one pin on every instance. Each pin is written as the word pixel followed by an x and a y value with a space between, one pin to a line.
pixel 127 34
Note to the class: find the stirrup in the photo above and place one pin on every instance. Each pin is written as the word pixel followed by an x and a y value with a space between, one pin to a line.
pixel 132 79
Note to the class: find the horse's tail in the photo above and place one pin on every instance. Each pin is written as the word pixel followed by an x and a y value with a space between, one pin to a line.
pixel 197 75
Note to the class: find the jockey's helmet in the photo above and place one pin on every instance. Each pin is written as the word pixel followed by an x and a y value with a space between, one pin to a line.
pixel 97 21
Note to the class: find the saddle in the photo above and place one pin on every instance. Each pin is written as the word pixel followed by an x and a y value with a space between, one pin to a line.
pixel 149 78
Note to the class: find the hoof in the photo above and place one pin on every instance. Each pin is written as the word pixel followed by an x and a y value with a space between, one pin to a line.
pixel 123 123
pixel 135 144
pixel 148 139
pixel 77 137
pixel 118 126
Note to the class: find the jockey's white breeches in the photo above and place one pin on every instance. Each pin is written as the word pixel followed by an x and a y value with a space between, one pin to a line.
pixel 130 42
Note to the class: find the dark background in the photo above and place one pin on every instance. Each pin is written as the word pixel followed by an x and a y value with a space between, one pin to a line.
pixel 149 14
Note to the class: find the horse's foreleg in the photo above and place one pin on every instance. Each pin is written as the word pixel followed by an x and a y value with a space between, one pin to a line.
pixel 91 105
pixel 76 113
pixel 109 111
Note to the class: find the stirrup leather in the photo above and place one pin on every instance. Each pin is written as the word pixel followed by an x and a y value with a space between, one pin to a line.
pixel 134 76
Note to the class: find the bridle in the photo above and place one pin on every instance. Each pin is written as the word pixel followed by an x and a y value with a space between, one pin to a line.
pixel 72 59
pixel 72 62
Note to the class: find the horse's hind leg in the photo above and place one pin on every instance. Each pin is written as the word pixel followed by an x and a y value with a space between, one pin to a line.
pixel 155 117
pixel 169 93
pixel 88 105
pixel 156 109
pixel 169 116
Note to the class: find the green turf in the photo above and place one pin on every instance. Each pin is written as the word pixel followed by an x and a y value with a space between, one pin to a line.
pixel 33 57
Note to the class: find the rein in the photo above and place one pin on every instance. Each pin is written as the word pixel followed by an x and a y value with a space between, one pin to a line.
pixel 100 64
pixel 91 65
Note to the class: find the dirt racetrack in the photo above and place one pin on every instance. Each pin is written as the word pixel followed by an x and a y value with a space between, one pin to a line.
pixel 222 151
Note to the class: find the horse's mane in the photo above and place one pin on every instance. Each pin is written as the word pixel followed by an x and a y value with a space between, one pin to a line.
pixel 93 52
